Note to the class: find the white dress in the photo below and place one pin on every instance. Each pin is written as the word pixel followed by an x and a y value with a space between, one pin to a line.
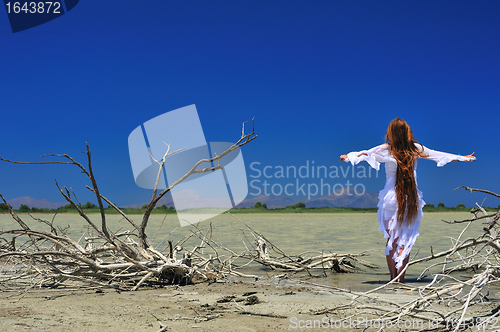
pixel 387 201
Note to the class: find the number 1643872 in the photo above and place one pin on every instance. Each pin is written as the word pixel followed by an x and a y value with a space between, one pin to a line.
pixel 32 7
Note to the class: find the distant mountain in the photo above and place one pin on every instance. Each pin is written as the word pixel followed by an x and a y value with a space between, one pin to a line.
pixel 33 202
pixel 272 202
pixel 364 201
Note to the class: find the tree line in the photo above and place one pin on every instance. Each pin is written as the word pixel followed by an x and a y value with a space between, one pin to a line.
pixel 68 207
pixel 259 206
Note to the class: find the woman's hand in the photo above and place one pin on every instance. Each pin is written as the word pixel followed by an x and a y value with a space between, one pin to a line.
pixel 470 156
pixel 344 157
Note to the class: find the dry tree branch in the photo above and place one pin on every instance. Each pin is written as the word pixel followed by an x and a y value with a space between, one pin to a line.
pixel 96 191
pixel 107 258
pixel 244 139
pixel 447 299
pixel 471 190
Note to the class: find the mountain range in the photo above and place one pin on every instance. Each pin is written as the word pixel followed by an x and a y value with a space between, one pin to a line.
pixel 272 202
pixel 33 202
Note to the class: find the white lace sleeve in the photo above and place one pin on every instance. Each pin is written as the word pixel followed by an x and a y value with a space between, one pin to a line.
pixel 374 156
pixel 442 158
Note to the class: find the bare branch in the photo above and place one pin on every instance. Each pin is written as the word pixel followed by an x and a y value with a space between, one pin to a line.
pixel 106 258
pixel 478 190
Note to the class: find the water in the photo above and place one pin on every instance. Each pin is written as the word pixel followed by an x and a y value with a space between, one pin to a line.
pixel 292 233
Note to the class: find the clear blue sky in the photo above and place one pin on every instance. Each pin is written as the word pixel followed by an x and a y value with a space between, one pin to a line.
pixel 321 78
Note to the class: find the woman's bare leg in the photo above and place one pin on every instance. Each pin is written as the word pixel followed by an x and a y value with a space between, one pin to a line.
pixel 392 264
pixel 405 262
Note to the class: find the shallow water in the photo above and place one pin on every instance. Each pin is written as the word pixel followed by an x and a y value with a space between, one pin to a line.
pixel 291 233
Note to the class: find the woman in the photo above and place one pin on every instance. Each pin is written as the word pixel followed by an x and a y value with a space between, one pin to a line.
pixel 400 202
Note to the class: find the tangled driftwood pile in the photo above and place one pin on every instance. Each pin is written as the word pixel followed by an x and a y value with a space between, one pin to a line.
pixel 123 260
pixel 452 301
pixel 49 257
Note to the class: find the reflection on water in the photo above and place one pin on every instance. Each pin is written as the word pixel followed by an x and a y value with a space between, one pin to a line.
pixel 291 233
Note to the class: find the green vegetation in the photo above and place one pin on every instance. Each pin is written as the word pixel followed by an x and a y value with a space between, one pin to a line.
pixel 459 208
pixel 4 207
pixel 259 207
pixel 89 207
pixel 299 207
pixel 164 207
pixel 294 209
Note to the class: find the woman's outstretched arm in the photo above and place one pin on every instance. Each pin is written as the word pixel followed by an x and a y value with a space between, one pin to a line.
pixel 442 158
pixel 344 157
pixel 374 156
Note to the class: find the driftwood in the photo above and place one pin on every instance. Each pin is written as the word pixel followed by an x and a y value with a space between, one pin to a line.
pixel 124 260
pixel 127 260
pixel 448 302
pixel 264 252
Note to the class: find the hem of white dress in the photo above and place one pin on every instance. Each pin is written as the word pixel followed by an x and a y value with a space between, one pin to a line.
pixel 406 235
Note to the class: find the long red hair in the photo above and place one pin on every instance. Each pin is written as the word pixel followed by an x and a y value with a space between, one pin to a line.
pixel 404 150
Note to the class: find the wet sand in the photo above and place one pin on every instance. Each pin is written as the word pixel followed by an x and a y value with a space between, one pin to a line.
pixel 198 307
pixel 201 306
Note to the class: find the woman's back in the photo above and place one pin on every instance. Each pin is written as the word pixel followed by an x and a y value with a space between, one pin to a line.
pixel 400 202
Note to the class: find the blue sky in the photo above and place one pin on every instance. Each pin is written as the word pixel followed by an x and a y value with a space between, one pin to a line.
pixel 320 78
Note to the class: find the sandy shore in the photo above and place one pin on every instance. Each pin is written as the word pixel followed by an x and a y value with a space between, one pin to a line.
pixel 202 307
pixel 229 306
